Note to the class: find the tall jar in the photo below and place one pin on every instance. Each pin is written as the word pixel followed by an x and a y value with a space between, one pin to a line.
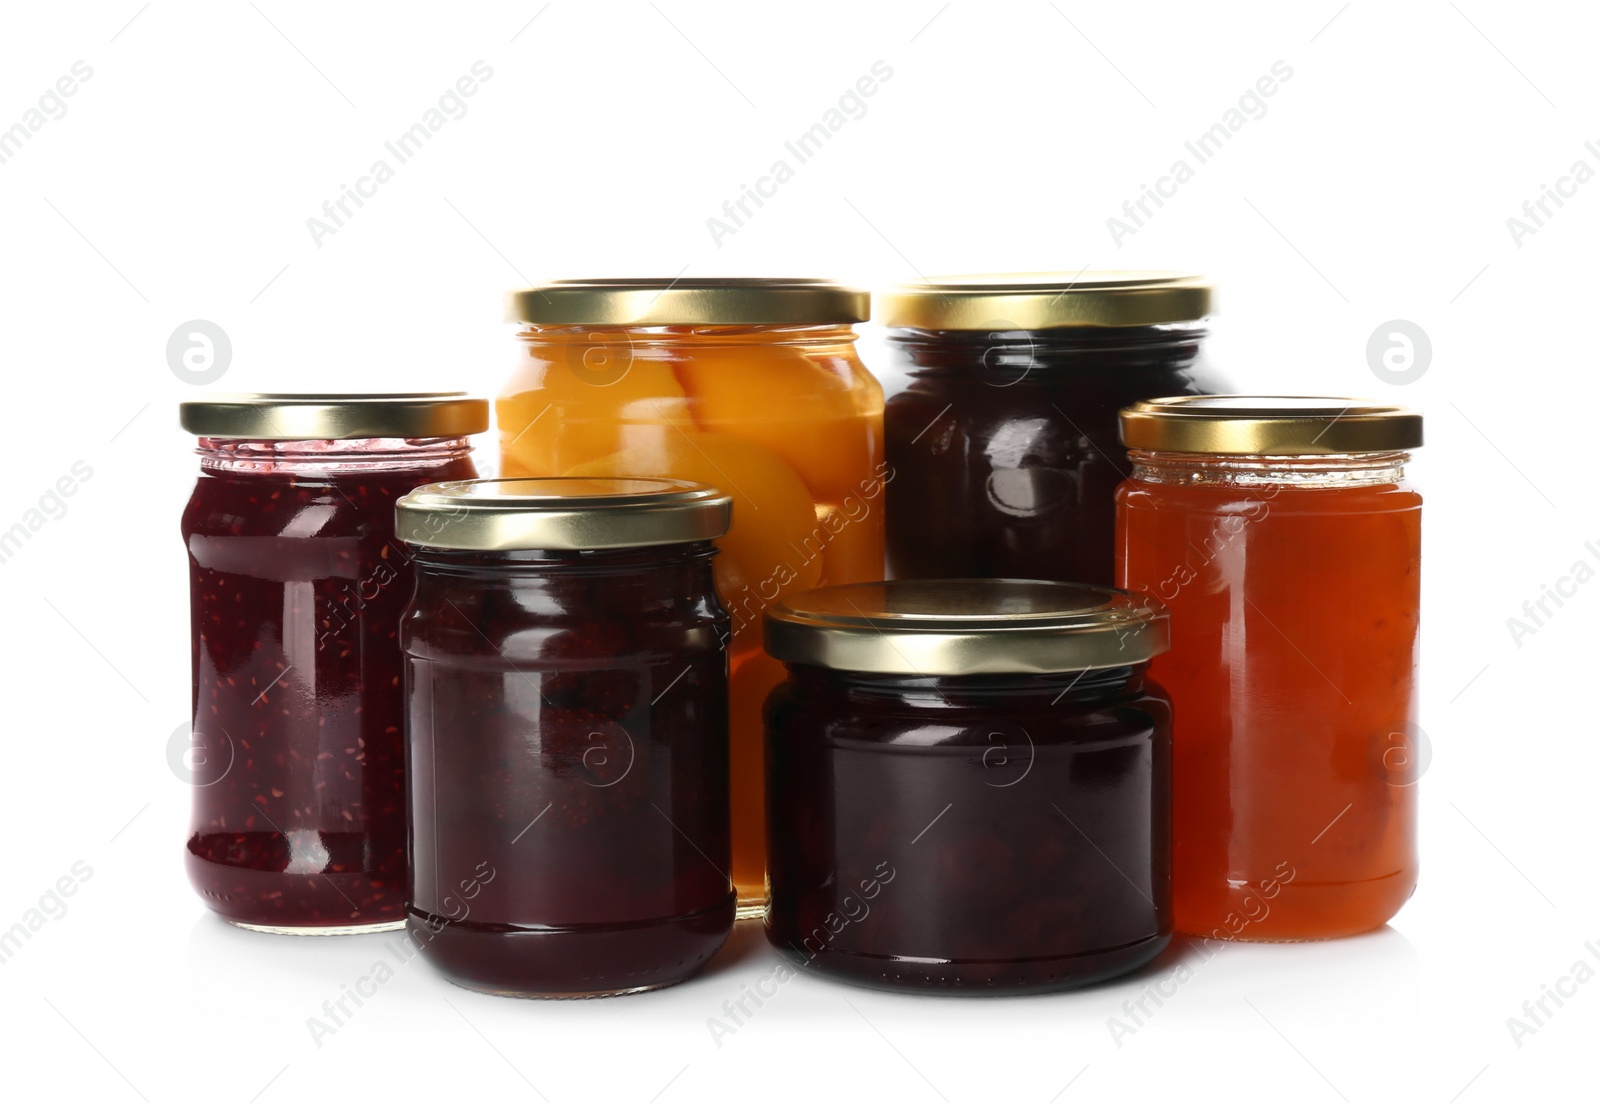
pixel 1284 538
pixel 1004 445
pixel 969 784
pixel 296 590
pixel 567 689
pixel 752 386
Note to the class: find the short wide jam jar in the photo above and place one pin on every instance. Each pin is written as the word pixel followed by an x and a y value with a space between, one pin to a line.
pixel 968 785
pixel 1283 536
pixel 296 590
pixel 1004 444
pixel 567 691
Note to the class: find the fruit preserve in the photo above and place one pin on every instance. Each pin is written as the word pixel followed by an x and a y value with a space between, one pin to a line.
pixel 1004 444
pixel 296 590
pixel 567 691
pixel 968 785
pixel 752 386
pixel 1283 537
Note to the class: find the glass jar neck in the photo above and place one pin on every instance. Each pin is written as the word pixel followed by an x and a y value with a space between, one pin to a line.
pixel 247 455
pixel 1061 349
pixel 542 562
pixel 990 691
pixel 1337 470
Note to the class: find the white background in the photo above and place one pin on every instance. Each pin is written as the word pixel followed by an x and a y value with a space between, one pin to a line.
pixel 1377 186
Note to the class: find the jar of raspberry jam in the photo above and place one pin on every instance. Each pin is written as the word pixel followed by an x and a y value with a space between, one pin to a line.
pixel 296 590
pixel 1004 444
pixel 567 689
pixel 968 785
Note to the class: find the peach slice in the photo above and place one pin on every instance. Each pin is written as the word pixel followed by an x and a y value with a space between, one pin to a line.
pixel 563 410
pixel 764 555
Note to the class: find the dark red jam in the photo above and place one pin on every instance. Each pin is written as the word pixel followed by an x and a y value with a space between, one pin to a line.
pixel 989 835
pixel 1004 446
pixel 569 767
pixel 297 586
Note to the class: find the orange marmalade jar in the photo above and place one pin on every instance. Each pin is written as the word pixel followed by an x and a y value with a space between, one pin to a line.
pixel 1284 540
pixel 750 386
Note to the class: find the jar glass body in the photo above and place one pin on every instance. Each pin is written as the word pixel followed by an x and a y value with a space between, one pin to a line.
pixel 1004 445
pixel 568 768
pixel 297 586
pixel 785 419
pixel 975 834
pixel 1294 590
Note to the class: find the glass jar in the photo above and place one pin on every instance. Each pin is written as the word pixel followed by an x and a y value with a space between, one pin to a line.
pixel 1283 536
pixel 296 590
pixel 752 386
pixel 968 785
pixel 1004 445
pixel 567 681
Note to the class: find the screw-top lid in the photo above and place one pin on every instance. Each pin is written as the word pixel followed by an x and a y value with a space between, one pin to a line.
pixel 1269 426
pixel 561 512
pixel 330 416
pixel 966 627
pixel 1043 301
pixel 670 301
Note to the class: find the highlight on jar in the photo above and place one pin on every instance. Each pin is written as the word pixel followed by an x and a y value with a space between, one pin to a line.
pixel 567 704
pixel 968 785
pixel 750 385
pixel 1283 536
pixel 296 590
pixel 1004 442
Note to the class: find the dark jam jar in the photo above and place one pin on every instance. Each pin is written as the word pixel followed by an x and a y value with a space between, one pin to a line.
pixel 297 586
pixel 567 682
pixel 968 785
pixel 1004 446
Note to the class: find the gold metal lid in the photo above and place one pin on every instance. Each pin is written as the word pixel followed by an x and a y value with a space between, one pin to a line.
pixel 1269 426
pixel 966 627
pixel 1041 301
pixel 561 512
pixel 325 417
pixel 705 301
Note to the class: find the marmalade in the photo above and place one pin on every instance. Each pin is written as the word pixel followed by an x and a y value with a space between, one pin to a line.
pixel 1293 586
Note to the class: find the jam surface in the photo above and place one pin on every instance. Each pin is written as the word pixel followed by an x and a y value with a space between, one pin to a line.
pixel 975 835
pixel 568 768
pixel 1004 447
pixel 1292 671
pixel 296 591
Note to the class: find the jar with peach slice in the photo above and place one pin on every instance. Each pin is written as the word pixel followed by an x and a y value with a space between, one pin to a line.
pixel 751 386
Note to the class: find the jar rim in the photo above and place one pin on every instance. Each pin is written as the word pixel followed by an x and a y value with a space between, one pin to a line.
pixel 501 514
pixel 692 301
pixel 967 627
pixel 1279 426
pixel 335 416
pixel 1044 301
